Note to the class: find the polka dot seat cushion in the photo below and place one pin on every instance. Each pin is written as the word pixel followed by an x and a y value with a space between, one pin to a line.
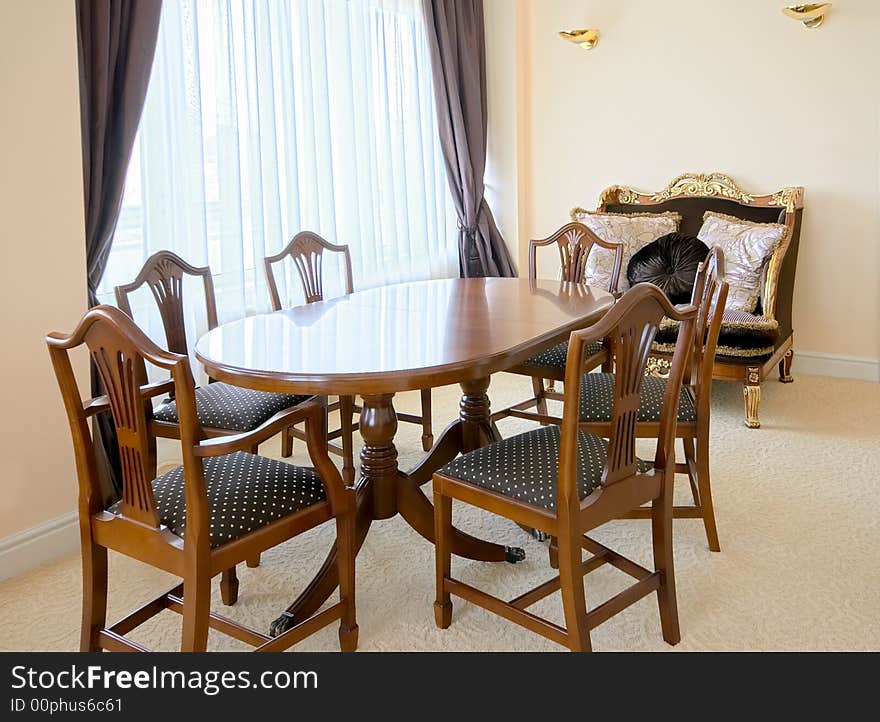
pixel 223 406
pixel 554 358
pixel 245 493
pixel 597 396
pixel 526 467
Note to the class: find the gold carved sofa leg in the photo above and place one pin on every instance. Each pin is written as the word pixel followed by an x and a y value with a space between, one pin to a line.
pixel 752 395
pixel 785 367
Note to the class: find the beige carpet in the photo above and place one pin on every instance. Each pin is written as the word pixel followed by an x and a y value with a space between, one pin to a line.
pixel 796 504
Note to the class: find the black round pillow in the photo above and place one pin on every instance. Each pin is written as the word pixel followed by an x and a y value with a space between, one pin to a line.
pixel 671 263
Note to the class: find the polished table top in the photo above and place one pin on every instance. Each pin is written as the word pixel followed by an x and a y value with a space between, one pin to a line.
pixel 401 337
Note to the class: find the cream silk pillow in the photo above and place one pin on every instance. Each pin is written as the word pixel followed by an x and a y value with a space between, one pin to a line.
pixel 747 247
pixel 633 230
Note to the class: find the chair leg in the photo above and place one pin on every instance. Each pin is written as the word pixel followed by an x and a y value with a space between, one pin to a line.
pixel 287 442
pixel 229 586
pixel 345 561
pixel 254 561
pixel 785 367
pixel 443 556
pixel 94 605
pixel 196 610
pixel 661 531
pixel 427 430
pixel 690 458
pixel 540 398
pixel 752 396
pixel 574 602
pixel 705 488
pixel 553 553
pixel 346 415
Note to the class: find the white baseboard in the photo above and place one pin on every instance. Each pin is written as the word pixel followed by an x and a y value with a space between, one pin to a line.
pixel 814 363
pixel 42 543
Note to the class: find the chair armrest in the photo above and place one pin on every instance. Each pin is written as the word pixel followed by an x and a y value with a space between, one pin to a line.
pixel 247 440
pixel 100 404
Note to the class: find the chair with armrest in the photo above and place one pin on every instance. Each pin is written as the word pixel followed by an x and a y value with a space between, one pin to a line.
pixel 565 482
pixel 574 242
pixel 222 506
pixel 223 409
pixel 750 346
pixel 306 251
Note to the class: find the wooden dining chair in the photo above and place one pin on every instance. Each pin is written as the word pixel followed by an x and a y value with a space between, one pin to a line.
pixel 566 482
pixel 306 251
pixel 222 506
pixel 574 242
pixel 223 409
pixel 694 406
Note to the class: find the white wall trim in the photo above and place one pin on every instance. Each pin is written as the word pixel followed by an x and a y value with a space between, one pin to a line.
pixel 24 550
pixel 815 363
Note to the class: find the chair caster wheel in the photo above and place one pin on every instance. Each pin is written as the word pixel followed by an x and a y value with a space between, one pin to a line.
pixel 540 536
pixel 281 625
pixel 514 554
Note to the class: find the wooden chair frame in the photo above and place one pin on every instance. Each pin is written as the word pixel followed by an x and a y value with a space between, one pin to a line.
pixel 120 351
pixel 720 192
pixel 163 273
pixel 306 250
pixel 709 297
pixel 574 242
pixel 632 324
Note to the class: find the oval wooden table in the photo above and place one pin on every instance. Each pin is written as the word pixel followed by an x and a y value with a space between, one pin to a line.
pixel 397 338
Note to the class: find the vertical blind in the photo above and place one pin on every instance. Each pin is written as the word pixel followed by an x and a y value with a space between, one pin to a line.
pixel 267 117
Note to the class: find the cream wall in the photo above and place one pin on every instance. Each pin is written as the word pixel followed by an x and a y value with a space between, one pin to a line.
pixel 41 216
pixel 702 85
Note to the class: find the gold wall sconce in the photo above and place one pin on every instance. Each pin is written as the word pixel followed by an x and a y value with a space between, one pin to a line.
pixel 810 15
pixel 587 39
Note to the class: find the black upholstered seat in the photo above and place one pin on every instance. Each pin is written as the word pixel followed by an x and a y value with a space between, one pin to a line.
pixel 554 358
pixel 526 467
pixel 245 493
pixel 742 336
pixel 223 406
pixel 597 395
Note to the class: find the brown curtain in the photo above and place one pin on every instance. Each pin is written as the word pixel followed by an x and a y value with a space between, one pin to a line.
pixel 458 58
pixel 117 40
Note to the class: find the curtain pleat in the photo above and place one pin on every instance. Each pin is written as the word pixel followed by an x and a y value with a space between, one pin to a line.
pixel 116 42
pixel 456 39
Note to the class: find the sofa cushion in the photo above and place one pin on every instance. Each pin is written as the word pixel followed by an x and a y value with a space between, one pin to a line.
pixel 632 230
pixel 741 335
pixel 747 247
pixel 670 263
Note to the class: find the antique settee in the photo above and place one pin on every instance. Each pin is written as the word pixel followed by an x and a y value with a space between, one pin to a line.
pixel 750 347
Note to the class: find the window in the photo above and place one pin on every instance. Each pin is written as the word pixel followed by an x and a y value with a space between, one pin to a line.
pixel 266 117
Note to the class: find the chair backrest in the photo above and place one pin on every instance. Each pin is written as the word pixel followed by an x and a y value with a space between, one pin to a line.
pixel 163 272
pixel 575 241
pixel 631 325
pixel 692 194
pixel 120 352
pixel 709 296
pixel 306 250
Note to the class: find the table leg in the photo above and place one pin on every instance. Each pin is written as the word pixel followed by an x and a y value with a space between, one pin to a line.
pixel 383 491
pixel 474 413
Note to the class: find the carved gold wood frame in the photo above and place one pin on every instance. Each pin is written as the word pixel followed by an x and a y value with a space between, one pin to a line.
pixel 719 185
